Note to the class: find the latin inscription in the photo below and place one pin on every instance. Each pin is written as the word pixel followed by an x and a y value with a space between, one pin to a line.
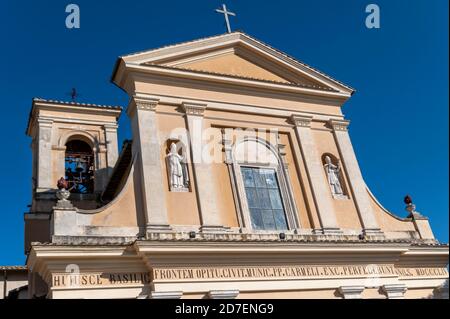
pixel 104 279
pixel 295 272
pixel 217 273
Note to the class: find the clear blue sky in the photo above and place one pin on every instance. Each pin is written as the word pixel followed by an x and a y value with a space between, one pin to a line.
pixel 399 113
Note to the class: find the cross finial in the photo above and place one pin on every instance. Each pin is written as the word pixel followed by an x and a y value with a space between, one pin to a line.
pixel 226 14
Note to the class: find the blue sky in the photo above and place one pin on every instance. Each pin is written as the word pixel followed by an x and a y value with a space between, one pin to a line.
pixel 399 113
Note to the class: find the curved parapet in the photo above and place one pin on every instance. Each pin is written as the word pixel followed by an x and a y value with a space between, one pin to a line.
pixel 395 227
pixel 119 217
pixel 392 225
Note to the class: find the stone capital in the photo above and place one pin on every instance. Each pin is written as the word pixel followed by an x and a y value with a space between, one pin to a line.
pixel 339 125
pixel 142 104
pixel 223 294
pixel 395 291
pixel 351 292
pixel 197 109
pixel 166 294
pixel 146 105
pixel 301 120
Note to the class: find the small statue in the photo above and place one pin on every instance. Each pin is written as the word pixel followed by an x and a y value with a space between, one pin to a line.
pixel 333 174
pixel 176 171
pixel 63 194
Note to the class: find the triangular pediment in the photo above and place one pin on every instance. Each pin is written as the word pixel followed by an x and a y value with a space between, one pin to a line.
pixel 237 55
pixel 234 65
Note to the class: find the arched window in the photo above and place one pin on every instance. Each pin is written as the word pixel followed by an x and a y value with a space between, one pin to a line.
pixel 264 196
pixel 79 167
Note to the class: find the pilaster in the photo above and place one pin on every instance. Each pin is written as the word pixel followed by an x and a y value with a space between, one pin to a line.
pixel 203 175
pixel 146 146
pixel 44 156
pixel 354 176
pixel 112 149
pixel 315 173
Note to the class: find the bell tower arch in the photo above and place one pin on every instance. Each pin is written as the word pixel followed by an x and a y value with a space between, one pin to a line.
pixel 73 140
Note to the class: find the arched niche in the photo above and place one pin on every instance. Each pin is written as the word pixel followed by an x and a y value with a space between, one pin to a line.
pixel 335 176
pixel 176 156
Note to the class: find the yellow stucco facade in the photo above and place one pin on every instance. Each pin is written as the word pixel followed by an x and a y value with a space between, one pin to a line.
pixel 229 102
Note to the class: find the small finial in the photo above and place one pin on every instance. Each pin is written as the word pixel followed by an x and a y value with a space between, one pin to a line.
pixel 63 194
pixel 410 207
pixel 62 183
pixel 407 200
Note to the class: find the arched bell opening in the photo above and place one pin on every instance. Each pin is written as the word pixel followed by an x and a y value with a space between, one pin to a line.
pixel 79 167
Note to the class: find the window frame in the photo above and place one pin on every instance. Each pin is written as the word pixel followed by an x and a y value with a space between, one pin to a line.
pixel 278 188
pixel 237 181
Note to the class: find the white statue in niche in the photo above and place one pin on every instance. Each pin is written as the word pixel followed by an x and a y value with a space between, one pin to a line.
pixel 177 170
pixel 333 174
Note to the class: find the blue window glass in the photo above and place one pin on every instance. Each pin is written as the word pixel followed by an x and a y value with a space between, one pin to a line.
pixel 264 198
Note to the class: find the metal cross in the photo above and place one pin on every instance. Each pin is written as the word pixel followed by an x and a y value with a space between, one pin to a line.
pixel 226 14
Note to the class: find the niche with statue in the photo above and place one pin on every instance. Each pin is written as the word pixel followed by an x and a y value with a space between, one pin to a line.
pixel 177 169
pixel 335 178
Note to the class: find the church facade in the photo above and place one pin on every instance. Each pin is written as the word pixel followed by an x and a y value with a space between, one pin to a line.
pixel 240 181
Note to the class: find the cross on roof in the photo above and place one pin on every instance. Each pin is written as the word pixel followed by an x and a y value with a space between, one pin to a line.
pixel 226 14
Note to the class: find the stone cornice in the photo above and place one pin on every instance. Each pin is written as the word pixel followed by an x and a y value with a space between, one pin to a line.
pixel 339 125
pixel 252 108
pixel 44 122
pixel 242 83
pixel 76 107
pixel 231 40
pixel 110 127
pixel 197 109
pixel 66 107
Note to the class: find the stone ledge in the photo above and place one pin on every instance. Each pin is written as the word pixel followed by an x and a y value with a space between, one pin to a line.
pixel 92 240
pixel 229 236
pixel 172 236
